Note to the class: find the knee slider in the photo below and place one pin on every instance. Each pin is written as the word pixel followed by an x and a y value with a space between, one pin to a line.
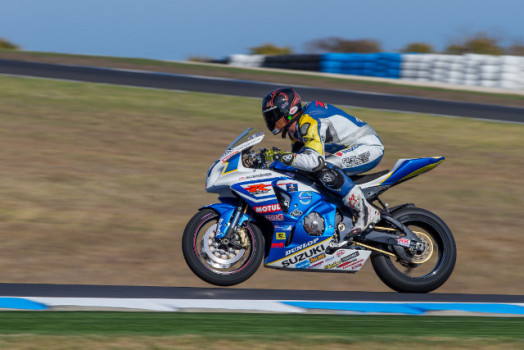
pixel 331 178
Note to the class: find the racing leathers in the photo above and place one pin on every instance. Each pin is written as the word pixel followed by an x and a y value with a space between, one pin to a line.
pixel 353 148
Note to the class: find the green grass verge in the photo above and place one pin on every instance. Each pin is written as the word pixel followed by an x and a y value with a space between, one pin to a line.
pixel 247 325
pixel 261 330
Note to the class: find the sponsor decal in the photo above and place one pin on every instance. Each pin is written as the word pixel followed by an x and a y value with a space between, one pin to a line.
pixel 295 259
pixel 404 242
pixel 349 257
pixel 315 265
pixel 330 259
pixel 317 258
pixel 257 176
pixel 281 236
pixel 255 135
pixel 270 208
pixel 302 246
pixel 277 217
pixel 302 265
pixel 340 252
pixel 358 266
pixel 277 245
pixel 305 197
pixel 347 263
pixel 353 161
pixel 347 150
pixel 283 227
pixel 258 188
pixel 293 110
pixel 330 266
pixel 353 265
pixel 226 158
pixel 292 187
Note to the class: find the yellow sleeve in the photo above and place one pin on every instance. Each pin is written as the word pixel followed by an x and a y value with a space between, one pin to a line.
pixel 309 130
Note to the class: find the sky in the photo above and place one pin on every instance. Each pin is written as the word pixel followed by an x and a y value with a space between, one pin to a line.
pixel 177 30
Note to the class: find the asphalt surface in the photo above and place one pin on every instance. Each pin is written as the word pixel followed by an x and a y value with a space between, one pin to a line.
pixel 259 89
pixel 249 89
pixel 94 291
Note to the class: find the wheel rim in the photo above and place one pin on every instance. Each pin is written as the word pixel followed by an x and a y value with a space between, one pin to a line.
pixel 215 255
pixel 428 248
pixel 427 263
pixel 218 258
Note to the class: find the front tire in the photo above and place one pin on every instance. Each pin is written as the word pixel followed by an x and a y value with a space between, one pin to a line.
pixel 431 268
pixel 217 264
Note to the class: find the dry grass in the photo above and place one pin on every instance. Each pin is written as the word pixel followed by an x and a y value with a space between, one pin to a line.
pixel 136 342
pixel 99 181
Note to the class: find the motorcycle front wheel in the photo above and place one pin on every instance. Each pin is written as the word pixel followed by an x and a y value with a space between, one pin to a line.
pixel 429 269
pixel 216 263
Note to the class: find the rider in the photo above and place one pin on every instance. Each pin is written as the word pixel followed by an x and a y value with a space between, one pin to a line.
pixel 317 128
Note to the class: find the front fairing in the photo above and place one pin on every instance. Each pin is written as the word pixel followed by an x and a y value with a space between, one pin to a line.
pixel 225 170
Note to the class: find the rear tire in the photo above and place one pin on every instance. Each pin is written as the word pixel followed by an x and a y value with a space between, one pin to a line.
pixel 401 276
pixel 221 266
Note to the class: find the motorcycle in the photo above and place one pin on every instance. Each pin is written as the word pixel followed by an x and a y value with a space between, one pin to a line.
pixel 287 218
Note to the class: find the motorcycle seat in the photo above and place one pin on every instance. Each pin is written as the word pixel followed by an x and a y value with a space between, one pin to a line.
pixel 359 179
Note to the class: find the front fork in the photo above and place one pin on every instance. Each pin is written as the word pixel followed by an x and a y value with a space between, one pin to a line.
pixel 232 216
pixel 229 227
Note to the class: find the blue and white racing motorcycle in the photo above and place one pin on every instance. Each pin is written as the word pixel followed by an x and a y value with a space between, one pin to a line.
pixel 287 217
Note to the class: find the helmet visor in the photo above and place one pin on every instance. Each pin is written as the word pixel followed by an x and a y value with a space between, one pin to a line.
pixel 274 120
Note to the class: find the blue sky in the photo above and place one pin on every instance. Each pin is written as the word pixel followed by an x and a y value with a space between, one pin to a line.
pixel 176 30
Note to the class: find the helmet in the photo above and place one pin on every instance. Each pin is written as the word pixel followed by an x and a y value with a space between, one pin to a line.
pixel 280 107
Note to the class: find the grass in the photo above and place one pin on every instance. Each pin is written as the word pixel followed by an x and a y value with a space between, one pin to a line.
pixel 110 330
pixel 98 182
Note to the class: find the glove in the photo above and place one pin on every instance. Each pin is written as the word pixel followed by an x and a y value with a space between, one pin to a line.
pixel 285 158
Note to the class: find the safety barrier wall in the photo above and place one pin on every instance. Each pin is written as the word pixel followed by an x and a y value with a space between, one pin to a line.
pixel 384 65
pixel 470 69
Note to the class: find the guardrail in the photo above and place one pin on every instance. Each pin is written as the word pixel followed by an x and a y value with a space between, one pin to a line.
pixel 505 72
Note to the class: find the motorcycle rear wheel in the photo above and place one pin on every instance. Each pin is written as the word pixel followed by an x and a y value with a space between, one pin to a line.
pixel 217 264
pixel 430 269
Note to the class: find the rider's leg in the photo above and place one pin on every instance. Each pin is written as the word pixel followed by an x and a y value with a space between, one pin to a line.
pixel 339 183
pixel 358 158
pixel 366 214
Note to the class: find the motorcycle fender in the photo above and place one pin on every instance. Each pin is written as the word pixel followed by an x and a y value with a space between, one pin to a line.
pixel 226 211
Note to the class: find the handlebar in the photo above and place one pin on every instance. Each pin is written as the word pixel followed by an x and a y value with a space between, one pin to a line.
pixel 255 159
pixel 258 158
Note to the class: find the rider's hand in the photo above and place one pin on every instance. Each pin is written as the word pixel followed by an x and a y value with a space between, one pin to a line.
pixel 285 158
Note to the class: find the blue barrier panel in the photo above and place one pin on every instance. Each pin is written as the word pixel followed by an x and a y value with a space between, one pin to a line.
pixel 382 64
pixel 21 304
pixel 409 308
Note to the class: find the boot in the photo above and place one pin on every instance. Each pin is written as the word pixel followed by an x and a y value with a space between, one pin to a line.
pixel 365 214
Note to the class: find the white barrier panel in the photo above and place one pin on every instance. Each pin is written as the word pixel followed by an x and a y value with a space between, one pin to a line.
pixel 246 60
pixel 505 72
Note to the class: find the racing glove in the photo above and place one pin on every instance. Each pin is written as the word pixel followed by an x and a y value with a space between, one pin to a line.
pixel 275 154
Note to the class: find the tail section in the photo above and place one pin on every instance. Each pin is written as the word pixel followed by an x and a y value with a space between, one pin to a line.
pixel 403 170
